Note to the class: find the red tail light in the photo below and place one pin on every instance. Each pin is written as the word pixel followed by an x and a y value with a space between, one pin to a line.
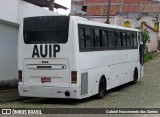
pixel 74 77
pixel 20 75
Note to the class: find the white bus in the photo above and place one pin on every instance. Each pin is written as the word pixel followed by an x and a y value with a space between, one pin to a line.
pixel 72 57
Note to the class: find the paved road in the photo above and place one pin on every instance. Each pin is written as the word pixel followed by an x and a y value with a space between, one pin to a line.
pixel 145 94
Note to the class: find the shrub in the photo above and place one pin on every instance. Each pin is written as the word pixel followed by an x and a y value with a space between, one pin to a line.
pixel 148 57
pixel 145 39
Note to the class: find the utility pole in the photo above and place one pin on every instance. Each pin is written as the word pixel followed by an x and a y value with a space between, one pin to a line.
pixel 108 11
pixel 51 5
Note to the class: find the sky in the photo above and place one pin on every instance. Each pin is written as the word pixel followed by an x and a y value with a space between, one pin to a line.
pixel 66 3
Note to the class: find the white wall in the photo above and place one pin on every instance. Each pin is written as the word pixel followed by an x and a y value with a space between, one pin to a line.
pixel 29 10
pixel 8 51
pixel 153 45
pixel 11 14
pixel 9 10
pixel 14 10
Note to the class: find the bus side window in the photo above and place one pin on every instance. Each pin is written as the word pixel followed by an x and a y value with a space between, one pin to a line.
pixel 111 38
pixel 128 37
pixel 97 37
pixel 123 39
pixel 81 38
pixel 135 39
pixel 118 38
pixel 89 38
pixel 105 38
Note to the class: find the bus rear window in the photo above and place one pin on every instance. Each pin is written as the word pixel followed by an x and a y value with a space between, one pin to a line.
pixel 43 30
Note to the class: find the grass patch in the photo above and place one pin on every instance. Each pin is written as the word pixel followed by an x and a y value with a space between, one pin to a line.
pixel 150 56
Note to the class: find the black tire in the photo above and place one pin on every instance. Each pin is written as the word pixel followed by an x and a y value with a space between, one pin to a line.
pixel 101 89
pixel 135 77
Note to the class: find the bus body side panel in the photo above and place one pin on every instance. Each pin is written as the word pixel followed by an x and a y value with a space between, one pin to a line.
pixel 116 65
pixel 114 59
pixel 19 55
pixel 75 52
pixel 91 69
pixel 122 64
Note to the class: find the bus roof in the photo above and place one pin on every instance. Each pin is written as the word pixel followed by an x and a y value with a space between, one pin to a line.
pixel 82 20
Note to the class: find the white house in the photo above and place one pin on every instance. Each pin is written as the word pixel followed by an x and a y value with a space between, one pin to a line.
pixel 11 14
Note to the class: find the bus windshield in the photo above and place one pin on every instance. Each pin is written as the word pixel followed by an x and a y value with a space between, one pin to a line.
pixel 43 30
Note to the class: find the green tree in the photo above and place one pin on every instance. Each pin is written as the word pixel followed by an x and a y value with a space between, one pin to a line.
pixel 145 39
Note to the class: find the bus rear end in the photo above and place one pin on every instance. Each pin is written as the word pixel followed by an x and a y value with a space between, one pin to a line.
pixel 45 58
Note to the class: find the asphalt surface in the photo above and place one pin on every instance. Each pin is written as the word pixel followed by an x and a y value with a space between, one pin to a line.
pixel 144 94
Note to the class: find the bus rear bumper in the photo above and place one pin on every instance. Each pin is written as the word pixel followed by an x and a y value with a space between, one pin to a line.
pixel 49 92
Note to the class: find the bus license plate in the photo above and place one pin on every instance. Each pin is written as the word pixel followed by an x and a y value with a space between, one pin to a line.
pixel 45 79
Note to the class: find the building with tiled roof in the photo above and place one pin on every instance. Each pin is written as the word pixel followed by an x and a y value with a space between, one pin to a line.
pixel 99 7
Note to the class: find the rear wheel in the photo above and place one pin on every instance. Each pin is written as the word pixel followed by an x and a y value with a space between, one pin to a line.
pixel 101 89
pixel 135 77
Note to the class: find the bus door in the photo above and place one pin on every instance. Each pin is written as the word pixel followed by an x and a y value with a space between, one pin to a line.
pixel 141 54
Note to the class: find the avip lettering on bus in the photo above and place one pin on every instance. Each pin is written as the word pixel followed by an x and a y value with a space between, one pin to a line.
pixel 45 50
